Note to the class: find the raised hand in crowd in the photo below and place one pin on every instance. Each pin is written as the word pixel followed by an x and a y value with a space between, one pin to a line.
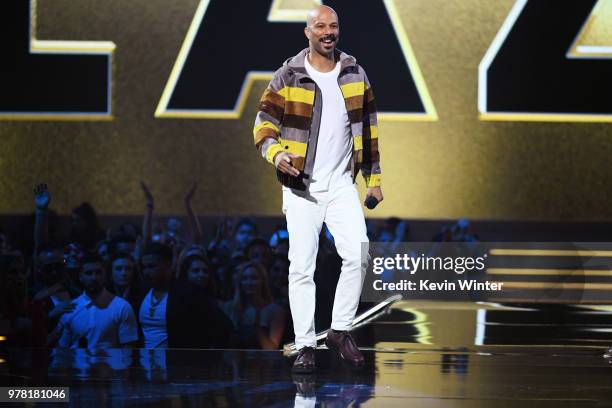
pixel 147 194
pixel 223 234
pixel 138 250
pixel 401 231
pixel 42 196
pixel 42 199
pixel 146 225
pixel 194 223
pixel 191 192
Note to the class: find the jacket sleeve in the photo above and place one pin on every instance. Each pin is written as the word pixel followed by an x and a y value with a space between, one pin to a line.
pixel 370 166
pixel 266 131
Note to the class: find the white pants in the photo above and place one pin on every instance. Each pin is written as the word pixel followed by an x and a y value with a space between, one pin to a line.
pixel 341 211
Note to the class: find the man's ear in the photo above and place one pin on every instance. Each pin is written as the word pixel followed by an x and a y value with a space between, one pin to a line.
pixel 307 32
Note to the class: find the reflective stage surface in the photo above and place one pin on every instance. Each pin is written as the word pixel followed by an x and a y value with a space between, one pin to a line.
pixel 418 354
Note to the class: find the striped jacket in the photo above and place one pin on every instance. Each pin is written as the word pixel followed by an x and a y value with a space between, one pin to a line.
pixel 290 114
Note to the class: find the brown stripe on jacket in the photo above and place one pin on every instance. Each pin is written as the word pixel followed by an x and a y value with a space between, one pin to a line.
pixel 264 133
pixel 272 97
pixel 355 115
pixel 295 121
pixel 370 105
pixel 370 150
pixel 298 108
pixel 271 109
pixel 354 102
pixel 369 95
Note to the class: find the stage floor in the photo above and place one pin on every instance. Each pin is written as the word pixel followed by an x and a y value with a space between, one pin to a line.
pixel 419 354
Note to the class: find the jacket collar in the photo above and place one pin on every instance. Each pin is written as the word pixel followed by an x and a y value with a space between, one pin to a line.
pixel 296 63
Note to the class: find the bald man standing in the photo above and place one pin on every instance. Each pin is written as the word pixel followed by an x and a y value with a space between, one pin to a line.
pixel 317 125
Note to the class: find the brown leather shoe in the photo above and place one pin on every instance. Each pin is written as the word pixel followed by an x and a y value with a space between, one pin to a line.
pixel 305 361
pixel 343 343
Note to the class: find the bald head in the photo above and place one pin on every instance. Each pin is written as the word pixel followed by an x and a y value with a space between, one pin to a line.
pixel 322 30
pixel 322 12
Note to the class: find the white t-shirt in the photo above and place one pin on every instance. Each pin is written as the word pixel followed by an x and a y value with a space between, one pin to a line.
pixel 108 327
pixel 335 144
pixel 153 321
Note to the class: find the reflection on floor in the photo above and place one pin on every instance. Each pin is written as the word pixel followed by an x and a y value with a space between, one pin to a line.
pixel 419 354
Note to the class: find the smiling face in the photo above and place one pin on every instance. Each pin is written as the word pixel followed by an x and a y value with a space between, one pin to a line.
pixel 322 30
pixel 250 282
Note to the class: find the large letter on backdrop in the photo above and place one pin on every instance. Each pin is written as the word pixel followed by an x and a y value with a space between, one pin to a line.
pixel 541 66
pixel 50 80
pixel 231 43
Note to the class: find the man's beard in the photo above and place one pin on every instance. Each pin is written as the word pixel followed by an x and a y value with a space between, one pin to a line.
pixel 332 38
pixel 329 37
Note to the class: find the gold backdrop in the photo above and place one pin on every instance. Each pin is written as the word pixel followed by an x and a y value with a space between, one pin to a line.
pixel 454 167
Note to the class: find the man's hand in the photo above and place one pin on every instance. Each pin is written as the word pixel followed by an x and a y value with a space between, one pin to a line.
pixel 375 192
pixel 282 161
pixel 61 308
pixel 42 197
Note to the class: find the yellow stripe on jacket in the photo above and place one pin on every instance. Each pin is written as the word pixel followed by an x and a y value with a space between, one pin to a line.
pixel 293 94
pixel 372 180
pixel 352 89
pixel 268 125
pixel 358 140
pixel 290 146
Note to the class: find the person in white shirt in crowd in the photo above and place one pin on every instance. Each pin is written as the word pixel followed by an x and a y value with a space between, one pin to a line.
pixel 100 319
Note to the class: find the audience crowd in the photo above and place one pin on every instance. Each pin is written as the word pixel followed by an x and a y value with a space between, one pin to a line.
pixel 158 288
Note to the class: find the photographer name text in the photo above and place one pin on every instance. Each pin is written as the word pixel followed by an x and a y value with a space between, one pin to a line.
pixel 427 285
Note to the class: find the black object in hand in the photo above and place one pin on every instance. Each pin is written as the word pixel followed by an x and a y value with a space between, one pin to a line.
pixel 371 202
